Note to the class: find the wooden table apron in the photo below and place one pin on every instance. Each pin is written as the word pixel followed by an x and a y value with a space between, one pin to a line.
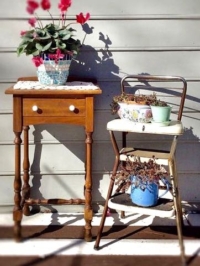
pixel 53 108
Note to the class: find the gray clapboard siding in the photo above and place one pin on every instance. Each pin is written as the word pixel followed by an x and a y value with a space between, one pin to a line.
pixel 183 63
pixel 113 7
pixel 136 34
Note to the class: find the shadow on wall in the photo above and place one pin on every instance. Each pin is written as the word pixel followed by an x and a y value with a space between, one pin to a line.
pixel 100 65
pixel 91 63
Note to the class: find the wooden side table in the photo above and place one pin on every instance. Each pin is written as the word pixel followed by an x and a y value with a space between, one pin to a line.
pixel 33 107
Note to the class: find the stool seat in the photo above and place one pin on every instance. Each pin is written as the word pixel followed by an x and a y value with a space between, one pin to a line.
pixel 175 127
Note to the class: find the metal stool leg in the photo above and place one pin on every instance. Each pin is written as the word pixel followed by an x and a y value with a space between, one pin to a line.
pixel 178 208
pixel 96 246
pixel 112 181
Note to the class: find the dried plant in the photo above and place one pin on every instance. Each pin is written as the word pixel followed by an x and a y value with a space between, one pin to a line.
pixel 159 103
pixel 144 172
pixel 131 98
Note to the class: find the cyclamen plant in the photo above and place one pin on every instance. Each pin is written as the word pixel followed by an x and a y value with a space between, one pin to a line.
pixel 57 40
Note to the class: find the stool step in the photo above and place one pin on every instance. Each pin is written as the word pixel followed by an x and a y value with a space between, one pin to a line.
pixel 122 202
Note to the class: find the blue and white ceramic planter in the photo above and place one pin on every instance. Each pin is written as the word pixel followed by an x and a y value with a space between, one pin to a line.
pixel 135 112
pixel 54 72
pixel 145 194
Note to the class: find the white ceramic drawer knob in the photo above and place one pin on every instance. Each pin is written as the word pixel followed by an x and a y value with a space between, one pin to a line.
pixel 34 108
pixel 71 108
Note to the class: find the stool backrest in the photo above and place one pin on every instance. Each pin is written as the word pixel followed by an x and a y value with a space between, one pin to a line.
pixel 171 89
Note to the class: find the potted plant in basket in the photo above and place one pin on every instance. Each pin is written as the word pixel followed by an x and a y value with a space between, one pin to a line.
pixel 143 177
pixel 52 45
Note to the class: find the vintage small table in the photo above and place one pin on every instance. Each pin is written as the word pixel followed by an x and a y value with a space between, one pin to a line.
pixel 33 106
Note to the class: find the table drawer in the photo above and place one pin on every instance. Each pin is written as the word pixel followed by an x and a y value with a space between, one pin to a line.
pixel 53 107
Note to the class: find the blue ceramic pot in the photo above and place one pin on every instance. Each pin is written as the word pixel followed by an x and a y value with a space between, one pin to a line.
pixel 145 194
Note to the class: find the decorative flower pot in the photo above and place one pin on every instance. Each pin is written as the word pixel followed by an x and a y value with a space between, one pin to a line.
pixel 145 193
pixel 54 71
pixel 161 113
pixel 135 112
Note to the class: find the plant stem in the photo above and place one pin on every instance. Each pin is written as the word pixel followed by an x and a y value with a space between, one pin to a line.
pixel 38 21
pixel 51 17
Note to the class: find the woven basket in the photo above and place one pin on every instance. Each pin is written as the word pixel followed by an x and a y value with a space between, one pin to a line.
pixel 53 72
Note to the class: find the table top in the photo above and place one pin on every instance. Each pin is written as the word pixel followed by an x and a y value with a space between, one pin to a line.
pixel 77 86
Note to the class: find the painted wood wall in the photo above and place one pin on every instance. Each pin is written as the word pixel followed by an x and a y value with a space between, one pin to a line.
pixel 129 37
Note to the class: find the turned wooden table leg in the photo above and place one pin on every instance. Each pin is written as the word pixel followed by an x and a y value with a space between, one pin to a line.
pixel 88 213
pixel 26 165
pixel 17 211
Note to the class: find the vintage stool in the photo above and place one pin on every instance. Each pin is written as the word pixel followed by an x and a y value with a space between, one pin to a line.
pixel 172 92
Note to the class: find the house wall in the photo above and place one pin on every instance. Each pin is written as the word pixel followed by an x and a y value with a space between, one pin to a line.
pixel 133 37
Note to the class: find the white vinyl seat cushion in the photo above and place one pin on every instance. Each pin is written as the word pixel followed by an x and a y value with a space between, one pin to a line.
pixel 174 128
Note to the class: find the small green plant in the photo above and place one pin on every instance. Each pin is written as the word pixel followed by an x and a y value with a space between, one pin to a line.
pixel 159 103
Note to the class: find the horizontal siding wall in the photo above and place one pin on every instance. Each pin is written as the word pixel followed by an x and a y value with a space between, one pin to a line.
pixel 133 37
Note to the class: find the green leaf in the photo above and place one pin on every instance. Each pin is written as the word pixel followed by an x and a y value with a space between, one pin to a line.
pixel 40 32
pixel 71 29
pixel 43 48
pixel 35 53
pixel 44 38
pixel 39 47
pixel 27 38
pixel 20 50
pixel 55 35
pixel 51 26
pixel 51 29
pixel 66 37
pixel 60 44
pixel 30 49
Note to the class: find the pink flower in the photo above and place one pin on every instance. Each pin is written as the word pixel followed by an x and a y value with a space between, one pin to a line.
pixel 34 35
pixel 56 56
pixel 64 5
pixel 32 21
pixel 82 19
pixel 70 53
pixel 32 5
pixel 23 32
pixel 45 4
pixel 37 61
pixel 58 53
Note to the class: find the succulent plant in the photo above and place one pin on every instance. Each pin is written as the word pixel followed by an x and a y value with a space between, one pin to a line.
pixel 145 172
pixel 131 98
